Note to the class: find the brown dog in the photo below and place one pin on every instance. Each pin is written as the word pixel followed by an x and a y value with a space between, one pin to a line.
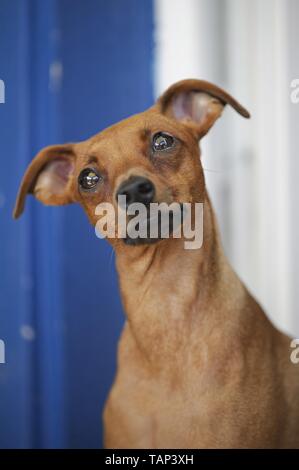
pixel 199 364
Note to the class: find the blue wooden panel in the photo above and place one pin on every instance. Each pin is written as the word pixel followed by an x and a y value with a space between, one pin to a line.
pixel 60 314
pixel 106 50
pixel 17 384
pixel 47 226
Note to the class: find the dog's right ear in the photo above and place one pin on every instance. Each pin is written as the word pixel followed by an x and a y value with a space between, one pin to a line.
pixel 48 177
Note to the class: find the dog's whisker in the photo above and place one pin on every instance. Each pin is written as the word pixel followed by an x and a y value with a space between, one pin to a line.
pixel 212 171
pixel 111 256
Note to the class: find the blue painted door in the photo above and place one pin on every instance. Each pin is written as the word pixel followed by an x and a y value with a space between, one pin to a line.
pixel 70 68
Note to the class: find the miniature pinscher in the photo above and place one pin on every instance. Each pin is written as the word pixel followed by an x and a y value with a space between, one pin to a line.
pixel 199 363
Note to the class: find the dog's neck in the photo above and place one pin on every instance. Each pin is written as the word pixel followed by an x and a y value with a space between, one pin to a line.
pixel 169 292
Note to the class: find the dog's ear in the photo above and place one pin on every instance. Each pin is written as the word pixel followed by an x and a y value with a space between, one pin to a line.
pixel 48 177
pixel 197 103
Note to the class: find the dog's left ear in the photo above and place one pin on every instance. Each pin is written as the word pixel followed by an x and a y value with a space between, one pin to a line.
pixel 197 103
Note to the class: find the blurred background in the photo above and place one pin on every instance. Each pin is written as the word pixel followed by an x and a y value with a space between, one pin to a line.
pixel 73 67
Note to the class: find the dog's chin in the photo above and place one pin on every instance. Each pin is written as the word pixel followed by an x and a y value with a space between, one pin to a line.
pixel 141 241
pixel 147 240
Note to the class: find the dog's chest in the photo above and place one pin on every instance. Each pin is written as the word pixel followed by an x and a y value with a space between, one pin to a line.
pixel 150 412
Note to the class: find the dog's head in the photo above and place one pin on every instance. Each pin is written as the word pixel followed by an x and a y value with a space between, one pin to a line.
pixel 150 157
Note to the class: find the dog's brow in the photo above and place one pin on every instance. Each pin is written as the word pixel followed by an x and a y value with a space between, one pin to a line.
pixel 145 133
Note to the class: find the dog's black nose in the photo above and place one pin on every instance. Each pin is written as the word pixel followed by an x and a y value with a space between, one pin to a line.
pixel 137 189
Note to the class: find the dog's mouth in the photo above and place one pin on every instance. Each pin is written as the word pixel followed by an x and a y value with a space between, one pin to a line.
pixel 155 228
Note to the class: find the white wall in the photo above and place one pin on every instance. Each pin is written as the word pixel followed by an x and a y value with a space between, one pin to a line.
pixel 251 166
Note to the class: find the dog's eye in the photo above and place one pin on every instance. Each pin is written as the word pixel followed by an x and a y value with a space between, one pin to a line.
pixel 162 141
pixel 88 179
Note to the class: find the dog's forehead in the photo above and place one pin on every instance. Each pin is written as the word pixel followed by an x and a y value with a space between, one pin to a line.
pixel 131 132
